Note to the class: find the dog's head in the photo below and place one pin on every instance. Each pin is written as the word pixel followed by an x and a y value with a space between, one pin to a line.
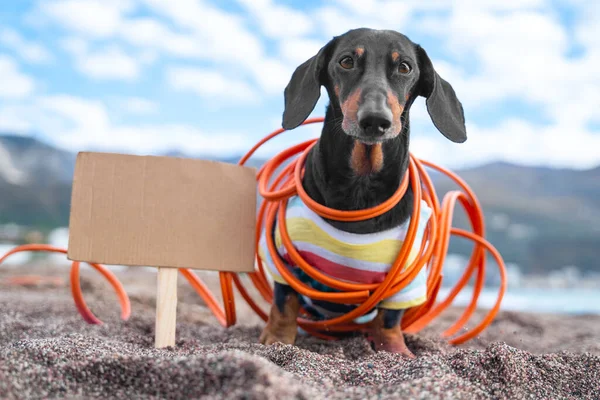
pixel 374 76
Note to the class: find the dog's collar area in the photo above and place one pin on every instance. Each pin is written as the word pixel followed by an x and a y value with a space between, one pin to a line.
pixel 294 186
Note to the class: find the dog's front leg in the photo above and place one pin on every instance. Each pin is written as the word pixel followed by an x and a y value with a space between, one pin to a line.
pixel 282 325
pixel 385 333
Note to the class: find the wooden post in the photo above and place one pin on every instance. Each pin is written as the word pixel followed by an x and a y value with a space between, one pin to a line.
pixel 166 307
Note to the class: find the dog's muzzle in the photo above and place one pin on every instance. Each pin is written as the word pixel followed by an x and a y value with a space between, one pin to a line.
pixel 374 117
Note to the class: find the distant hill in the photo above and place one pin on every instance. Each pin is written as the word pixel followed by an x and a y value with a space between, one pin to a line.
pixel 35 182
pixel 540 218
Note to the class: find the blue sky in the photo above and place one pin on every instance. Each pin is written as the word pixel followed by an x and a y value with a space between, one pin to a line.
pixel 207 77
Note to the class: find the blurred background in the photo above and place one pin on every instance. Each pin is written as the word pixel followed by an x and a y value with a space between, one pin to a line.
pixel 205 79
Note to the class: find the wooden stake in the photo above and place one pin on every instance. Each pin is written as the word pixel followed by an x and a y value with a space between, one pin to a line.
pixel 166 307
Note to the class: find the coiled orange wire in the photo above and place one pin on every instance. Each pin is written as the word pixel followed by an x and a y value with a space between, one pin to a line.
pixel 432 253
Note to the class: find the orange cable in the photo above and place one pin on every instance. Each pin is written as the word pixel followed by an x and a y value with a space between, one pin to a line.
pixel 80 304
pixel 431 255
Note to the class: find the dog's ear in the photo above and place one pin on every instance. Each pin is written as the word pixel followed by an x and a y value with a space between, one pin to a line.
pixel 304 88
pixel 443 106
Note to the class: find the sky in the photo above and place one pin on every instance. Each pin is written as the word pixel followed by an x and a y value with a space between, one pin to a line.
pixel 207 77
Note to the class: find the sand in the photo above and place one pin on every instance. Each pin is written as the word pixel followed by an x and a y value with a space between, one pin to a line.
pixel 48 351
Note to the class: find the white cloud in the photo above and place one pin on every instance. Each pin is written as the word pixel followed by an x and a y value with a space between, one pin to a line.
pixel 197 31
pixel 588 30
pixel 74 45
pixel 151 34
pixel 500 5
pixel 91 18
pixel 80 112
pixel 514 141
pixel 277 21
pixel 296 51
pixel 359 7
pixel 222 38
pixel 517 55
pixel 144 31
pixel 15 84
pixel 271 75
pixel 210 84
pixel 187 14
pixel 77 124
pixel 27 116
pixel 382 14
pixel 86 125
pixel 151 139
pixel 139 105
pixel 108 63
pixel 28 51
pixel 11 119
pixel 335 22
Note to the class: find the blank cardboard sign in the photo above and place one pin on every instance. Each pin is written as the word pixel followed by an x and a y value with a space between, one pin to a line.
pixel 162 211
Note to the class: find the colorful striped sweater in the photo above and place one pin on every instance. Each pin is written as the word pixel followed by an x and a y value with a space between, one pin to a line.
pixel 358 258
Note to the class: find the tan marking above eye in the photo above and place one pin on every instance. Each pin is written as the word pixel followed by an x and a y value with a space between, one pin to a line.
pixel 359 51
pixel 395 56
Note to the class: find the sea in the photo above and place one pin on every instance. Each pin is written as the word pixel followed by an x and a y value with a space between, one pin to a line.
pixel 534 300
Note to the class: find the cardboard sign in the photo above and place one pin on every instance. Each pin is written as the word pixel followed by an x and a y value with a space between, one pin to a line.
pixel 164 212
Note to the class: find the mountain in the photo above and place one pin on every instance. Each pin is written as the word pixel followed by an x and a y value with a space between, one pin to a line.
pixel 35 182
pixel 540 218
pixel 29 160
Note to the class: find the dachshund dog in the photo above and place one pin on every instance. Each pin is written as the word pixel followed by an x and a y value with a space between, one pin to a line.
pixel 372 77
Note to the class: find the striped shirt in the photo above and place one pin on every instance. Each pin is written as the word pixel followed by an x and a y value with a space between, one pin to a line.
pixel 351 257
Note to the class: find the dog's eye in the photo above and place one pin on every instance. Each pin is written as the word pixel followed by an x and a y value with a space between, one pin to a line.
pixel 347 62
pixel 404 68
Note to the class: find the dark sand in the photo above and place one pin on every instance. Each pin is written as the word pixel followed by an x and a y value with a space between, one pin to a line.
pixel 48 351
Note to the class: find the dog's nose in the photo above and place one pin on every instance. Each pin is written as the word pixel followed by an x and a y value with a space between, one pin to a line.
pixel 375 124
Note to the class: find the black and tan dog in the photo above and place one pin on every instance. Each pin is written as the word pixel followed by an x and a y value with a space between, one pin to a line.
pixel 372 78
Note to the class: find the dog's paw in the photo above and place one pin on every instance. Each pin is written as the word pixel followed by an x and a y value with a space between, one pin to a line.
pixel 397 348
pixel 393 343
pixel 267 337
